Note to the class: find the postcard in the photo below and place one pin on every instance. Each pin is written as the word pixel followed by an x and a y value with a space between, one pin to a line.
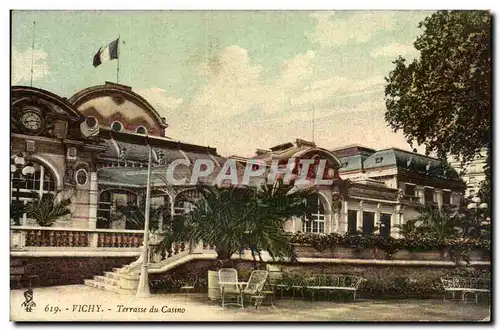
pixel 250 166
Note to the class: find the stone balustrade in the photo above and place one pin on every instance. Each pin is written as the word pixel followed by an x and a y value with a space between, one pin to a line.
pixel 23 238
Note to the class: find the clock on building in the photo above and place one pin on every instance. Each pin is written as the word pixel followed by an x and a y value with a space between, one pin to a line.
pixel 31 119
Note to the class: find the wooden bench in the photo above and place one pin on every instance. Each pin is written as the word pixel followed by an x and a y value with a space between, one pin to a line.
pixel 465 286
pixel 19 275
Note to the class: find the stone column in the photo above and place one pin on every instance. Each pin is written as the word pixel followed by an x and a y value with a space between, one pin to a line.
pixel 399 220
pixel 439 197
pixel 359 216
pixel 377 217
pixel 336 220
pixel 419 190
pixel 344 217
pixel 93 199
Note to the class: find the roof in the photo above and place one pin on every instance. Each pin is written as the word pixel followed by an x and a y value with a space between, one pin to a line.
pixel 411 162
pixel 299 148
pixel 352 150
pixel 137 177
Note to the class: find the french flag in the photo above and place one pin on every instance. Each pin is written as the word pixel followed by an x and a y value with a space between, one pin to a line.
pixel 107 53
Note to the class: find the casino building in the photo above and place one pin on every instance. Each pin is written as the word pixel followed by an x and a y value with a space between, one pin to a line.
pixel 93 148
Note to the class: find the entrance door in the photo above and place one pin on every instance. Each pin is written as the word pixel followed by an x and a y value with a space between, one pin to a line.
pixel 385 225
pixel 368 222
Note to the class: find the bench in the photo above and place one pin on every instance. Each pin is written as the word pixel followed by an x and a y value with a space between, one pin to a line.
pixel 465 286
pixel 316 283
pixel 19 275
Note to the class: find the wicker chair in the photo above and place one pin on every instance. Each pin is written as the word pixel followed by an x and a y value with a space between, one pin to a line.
pixel 229 290
pixel 255 285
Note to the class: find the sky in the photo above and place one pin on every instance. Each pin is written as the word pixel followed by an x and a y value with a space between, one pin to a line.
pixel 233 80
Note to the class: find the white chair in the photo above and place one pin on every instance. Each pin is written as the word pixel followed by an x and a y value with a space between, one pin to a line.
pixel 229 286
pixel 255 285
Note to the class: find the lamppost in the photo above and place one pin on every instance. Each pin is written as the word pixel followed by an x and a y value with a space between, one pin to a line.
pixel 22 170
pixel 143 288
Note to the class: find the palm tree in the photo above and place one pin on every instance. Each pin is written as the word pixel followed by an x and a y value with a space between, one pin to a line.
pixel 409 229
pixel 264 226
pixel 439 224
pixel 234 217
pixel 45 210
pixel 135 215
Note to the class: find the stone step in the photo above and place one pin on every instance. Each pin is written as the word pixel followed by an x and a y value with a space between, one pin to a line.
pixel 113 275
pixel 107 280
pixel 107 287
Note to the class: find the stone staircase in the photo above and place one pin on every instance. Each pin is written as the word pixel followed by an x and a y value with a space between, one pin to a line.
pixel 125 280
pixel 110 281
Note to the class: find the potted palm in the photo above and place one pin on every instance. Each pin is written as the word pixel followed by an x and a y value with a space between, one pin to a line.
pixel 45 210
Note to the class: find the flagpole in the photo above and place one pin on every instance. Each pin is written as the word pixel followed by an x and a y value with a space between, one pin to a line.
pixel 118 60
pixel 32 53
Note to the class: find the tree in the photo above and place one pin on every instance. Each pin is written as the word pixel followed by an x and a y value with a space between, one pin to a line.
pixel 443 99
pixel 233 217
pixel 45 210
pixel 135 215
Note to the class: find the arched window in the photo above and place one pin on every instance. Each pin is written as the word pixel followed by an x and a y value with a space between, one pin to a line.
pixel 23 184
pixel 315 221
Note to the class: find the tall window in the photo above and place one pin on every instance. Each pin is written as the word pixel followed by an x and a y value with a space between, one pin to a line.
pixel 368 222
pixel 352 217
pixel 315 223
pixel 410 190
pixel 23 186
pixel 446 198
pixel 385 225
pixel 429 195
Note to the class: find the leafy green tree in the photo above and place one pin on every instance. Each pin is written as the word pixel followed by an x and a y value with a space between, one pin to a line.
pixel 45 210
pixel 443 99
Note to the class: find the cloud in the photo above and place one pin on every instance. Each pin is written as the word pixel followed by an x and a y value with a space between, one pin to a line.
pixel 336 87
pixel 332 29
pixel 394 50
pixel 235 84
pixel 237 110
pixel 159 99
pixel 21 65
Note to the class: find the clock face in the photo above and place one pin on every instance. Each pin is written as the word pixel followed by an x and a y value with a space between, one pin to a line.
pixel 31 120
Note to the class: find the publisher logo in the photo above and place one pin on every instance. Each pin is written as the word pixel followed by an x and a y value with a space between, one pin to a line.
pixel 28 303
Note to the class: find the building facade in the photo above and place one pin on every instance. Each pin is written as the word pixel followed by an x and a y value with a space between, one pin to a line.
pixel 473 173
pixel 94 147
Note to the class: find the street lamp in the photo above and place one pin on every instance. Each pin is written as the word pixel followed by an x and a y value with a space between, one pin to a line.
pixel 21 171
pixel 143 288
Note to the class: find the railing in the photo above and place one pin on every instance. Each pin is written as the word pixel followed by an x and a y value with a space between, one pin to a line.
pixel 34 237
pixel 412 199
